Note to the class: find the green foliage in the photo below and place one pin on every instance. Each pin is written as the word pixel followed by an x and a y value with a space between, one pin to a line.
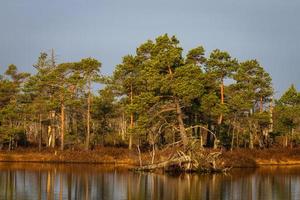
pixel 187 83
pixel 220 64
pixel 196 56
pixel 290 98
pixel 104 110
pixel 287 111
pixel 154 95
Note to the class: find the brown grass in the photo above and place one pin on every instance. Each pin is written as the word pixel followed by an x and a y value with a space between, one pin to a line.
pixel 105 155
pixel 257 157
pixel 122 156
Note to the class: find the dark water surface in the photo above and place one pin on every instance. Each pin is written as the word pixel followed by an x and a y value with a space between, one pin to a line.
pixel 79 181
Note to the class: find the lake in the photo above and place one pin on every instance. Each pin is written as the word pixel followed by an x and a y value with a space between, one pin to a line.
pixel 81 181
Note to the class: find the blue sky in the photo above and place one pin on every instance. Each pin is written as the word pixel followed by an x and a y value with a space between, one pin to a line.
pixel 267 30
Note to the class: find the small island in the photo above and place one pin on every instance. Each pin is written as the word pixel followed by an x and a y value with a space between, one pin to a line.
pixel 160 109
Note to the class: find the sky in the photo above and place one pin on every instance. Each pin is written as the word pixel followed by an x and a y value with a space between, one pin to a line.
pixel 266 30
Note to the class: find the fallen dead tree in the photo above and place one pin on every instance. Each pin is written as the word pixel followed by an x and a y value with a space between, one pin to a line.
pixel 175 160
pixel 193 159
pixel 211 162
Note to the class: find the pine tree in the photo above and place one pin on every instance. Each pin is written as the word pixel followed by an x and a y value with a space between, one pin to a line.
pixel 89 70
pixel 222 66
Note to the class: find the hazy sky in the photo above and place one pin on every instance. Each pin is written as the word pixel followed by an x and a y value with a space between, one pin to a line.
pixel 267 30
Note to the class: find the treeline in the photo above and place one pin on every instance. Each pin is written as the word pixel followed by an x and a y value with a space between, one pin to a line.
pixel 154 98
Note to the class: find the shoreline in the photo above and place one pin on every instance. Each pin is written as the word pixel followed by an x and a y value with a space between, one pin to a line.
pixel 262 157
pixel 240 158
pixel 105 156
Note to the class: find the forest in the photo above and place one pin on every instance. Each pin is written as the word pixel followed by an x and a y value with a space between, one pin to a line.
pixel 159 96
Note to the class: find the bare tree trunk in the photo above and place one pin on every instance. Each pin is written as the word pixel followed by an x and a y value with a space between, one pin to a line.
pixel 140 157
pixel 222 100
pixel 87 142
pixel 62 118
pixel 123 126
pixel 74 123
pixel 198 130
pixel 251 140
pixel 216 143
pixel 53 65
pixel 201 139
pixel 131 120
pixel 41 130
pixel 121 121
pixel 179 113
pixel 49 136
pixel 222 91
pixel 9 144
pixel 261 104
pixel 130 136
pixel 10 136
pixel 285 144
pixel 292 137
pixel 153 153
pixel 271 115
pixel 182 131
pixel 232 139
pixel 252 127
pixel 52 129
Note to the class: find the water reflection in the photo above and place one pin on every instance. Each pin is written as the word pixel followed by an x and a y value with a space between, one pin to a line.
pixel 49 181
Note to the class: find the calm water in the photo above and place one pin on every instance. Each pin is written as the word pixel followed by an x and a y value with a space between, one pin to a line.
pixel 50 181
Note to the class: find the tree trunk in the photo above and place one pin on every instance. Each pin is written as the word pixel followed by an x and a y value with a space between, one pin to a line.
pixel 198 130
pixel 251 141
pixel 292 137
pixel 201 140
pixel 222 100
pixel 10 135
pixel 49 136
pixel 87 142
pixel 179 113
pixel 182 131
pixel 74 124
pixel 222 92
pixel 285 144
pixel 51 130
pixel 232 139
pixel 130 132
pixel 140 157
pixel 261 104
pixel 209 137
pixel 131 120
pixel 9 144
pixel 41 129
pixel 122 126
pixel 153 153
pixel 62 118
pixel 271 116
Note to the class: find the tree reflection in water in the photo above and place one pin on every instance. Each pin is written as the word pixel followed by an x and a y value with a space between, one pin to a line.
pixel 67 181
